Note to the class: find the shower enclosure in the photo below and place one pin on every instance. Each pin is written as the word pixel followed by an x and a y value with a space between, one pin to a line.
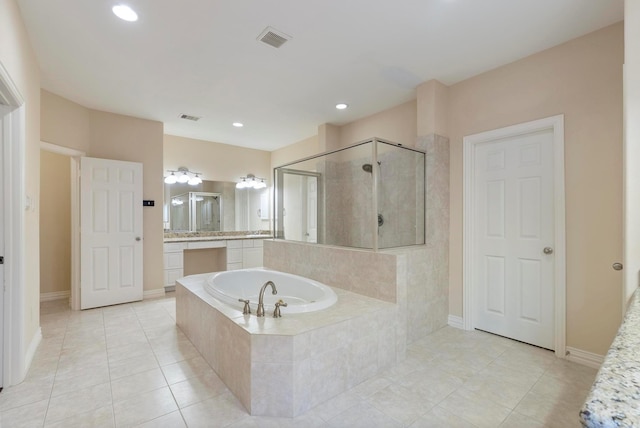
pixel 369 195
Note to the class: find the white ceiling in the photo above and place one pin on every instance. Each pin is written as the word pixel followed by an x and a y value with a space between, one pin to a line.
pixel 201 57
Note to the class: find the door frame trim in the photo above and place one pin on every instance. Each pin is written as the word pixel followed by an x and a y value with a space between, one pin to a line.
pixel 74 156
pixel 556 124
pixel 17 354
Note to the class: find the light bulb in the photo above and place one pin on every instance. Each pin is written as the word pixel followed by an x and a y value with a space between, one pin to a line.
pixel 170 179
pixel 125 13
pixel 242 184
pixel 193 181
pixel 183 178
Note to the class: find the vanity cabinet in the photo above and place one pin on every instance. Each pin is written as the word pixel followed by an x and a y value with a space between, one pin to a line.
pixel 240 254
pixel 173 262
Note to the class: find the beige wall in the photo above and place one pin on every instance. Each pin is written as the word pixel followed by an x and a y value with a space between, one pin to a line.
pixel 17 57
pixel 219 162
pixel 55 222
pixel 65 123
pixel 581 79
pixel 294 152
pixel 112 136
pixel 397 124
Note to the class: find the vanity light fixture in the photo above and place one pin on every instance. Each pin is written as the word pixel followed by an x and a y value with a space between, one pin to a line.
pixel 251 182
pixel 125 13
pixel 184 176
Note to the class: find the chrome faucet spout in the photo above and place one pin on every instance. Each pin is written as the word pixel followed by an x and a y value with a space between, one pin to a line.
pixel 260 312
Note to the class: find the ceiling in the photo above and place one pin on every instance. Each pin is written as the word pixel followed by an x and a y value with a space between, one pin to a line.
pixel 202 57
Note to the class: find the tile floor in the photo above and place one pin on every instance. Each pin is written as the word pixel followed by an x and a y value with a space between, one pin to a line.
pixel 129 365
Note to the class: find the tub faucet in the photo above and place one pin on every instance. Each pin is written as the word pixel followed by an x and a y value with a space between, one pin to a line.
pixel 260 312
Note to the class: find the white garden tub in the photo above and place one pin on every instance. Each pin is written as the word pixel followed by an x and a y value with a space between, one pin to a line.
pixel 301 294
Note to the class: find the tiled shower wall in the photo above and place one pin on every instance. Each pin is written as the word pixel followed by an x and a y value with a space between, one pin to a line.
pixel 349 200
pixel 428 273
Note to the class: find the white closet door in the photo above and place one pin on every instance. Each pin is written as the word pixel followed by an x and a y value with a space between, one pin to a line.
pixel 514 261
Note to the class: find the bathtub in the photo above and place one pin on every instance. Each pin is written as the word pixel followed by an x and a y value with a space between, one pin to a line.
pixel 301 294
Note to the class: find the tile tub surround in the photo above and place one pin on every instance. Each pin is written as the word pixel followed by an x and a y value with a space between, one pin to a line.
pixel 286 366
pixel 415 278
pixel 614 400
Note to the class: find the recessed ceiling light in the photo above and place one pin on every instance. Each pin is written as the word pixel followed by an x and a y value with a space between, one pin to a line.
pixel 341 106
pixel 125 13
pixel 238 124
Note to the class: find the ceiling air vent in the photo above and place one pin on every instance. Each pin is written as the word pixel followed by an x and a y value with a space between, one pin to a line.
pixel 189 117
pixel 273 37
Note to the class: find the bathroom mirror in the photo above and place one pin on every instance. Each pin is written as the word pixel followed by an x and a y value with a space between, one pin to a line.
pixel 223 208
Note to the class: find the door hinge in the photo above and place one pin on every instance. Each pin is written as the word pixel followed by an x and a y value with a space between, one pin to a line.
pixel 1 260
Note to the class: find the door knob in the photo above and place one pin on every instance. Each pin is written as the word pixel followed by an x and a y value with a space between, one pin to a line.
pixel 617 266
pixel 138 238
pixel 548 250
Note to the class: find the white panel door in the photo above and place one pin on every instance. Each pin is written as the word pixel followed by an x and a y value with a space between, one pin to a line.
pixel 514 276
pixel 110 232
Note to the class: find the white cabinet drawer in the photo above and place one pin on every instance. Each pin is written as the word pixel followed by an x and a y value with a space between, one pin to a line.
pixel 206 244
pixel 247 243
pixel 235 243
pixel 173 260
pixel 172 247
pixel 258 243
pixel 234 255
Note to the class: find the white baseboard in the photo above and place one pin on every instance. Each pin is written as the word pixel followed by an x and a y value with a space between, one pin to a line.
pixel 55 295
pixel 456 322
pixel 585 358
pixel 153 294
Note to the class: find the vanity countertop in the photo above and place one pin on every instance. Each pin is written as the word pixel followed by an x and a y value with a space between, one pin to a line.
pixel 213 236
pixel 614 400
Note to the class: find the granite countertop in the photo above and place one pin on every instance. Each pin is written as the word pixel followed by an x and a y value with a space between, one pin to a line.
pixel 614 400
pixel 214 236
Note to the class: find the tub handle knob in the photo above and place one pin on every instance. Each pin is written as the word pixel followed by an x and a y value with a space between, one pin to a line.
pixel 246 310
pixel 276 311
